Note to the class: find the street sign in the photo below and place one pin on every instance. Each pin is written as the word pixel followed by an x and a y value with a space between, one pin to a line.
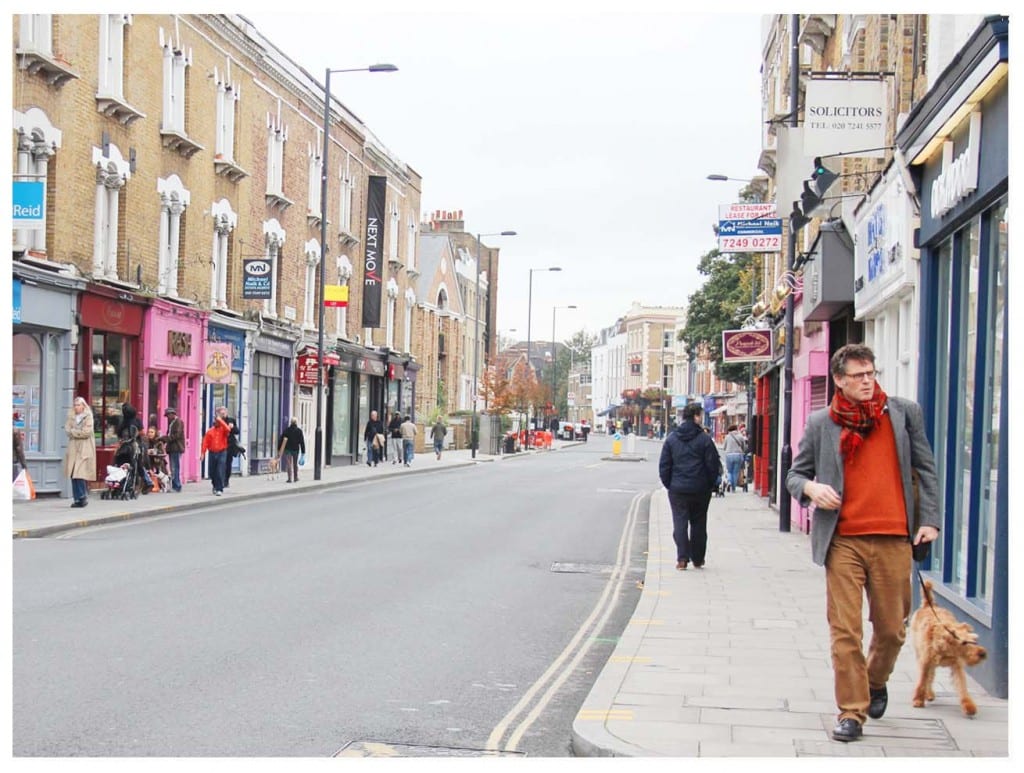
pixel 757 235
pixel 745 211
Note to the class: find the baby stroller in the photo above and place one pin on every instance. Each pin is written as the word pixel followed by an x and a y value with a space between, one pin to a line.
pixel 122 475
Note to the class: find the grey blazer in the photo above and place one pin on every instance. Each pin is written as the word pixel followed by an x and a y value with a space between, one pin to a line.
pixel 819 460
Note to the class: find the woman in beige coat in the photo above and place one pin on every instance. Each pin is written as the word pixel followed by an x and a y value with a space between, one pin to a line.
pixel 80 459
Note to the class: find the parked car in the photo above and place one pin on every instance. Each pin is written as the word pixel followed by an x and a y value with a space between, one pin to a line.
pixel 567 430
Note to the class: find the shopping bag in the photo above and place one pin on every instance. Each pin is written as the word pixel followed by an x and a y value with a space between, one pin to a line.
pixel 302 459
pixel 23 486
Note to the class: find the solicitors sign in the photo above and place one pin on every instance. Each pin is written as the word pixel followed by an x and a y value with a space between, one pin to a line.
pixel 845 116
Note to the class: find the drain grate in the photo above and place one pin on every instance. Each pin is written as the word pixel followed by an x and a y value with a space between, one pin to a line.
pixel 384 749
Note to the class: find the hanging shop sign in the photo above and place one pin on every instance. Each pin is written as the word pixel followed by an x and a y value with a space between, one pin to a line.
pixel 845 116
pixel 746 345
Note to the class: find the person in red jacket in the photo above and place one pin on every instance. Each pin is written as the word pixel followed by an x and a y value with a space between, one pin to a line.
pixel 216 442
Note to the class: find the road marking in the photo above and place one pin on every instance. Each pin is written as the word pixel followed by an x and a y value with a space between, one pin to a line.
pixel 603 715
pixel 560 670
pixel 628 659
pixel 646 622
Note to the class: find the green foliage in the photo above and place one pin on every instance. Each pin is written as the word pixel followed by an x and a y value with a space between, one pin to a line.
pixel 714 307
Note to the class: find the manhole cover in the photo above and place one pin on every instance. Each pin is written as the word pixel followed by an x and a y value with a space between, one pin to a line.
pixel 384 749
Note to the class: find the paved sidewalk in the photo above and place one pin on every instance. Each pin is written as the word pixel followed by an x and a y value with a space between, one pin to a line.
pixel 733 660
pixel 51 515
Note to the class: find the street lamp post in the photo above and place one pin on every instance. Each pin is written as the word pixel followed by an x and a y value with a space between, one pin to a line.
pixel 529 322
pixel 318 443
pixel 554 370
pixel 474 433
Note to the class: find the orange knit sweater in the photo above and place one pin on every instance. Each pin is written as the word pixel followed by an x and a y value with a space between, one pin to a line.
pixel 873 495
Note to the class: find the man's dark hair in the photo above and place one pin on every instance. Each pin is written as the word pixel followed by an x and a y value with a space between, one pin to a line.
pixel 850 352
pixel 731 428
pixel 691 412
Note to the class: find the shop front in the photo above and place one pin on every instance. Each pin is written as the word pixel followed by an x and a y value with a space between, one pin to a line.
pixel 43 369
pixel 225 379
pixel 270 398
pixel 357 387
pixel 956 142
pixel 109 369
pixel 172 363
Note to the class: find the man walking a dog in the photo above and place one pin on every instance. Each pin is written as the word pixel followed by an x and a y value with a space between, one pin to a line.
pixel 856 464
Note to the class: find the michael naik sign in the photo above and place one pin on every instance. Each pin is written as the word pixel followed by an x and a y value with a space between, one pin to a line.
pixel 746 345
pixel 752 227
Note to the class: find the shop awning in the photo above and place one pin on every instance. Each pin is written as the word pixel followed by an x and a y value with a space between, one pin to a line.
pixel 606 411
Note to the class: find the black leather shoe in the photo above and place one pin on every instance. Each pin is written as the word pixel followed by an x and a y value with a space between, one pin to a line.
pixel 879 702
pixel 847 730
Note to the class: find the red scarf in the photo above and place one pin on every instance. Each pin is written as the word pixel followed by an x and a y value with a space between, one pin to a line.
pixel 856 419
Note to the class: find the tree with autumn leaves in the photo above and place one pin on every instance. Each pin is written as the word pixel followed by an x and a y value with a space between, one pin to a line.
pixel 512 390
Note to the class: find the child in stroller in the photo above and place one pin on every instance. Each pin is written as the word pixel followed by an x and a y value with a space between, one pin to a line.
pixel 125 473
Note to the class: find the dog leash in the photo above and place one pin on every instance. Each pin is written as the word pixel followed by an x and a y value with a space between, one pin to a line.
pixel 931 606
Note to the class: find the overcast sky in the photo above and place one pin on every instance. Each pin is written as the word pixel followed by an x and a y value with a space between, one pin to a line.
pixel 590 133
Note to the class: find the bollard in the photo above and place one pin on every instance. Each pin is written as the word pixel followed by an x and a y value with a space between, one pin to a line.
pixel 631 444
pixel 616 444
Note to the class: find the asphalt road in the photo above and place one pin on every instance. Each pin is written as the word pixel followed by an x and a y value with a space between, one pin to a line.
pixel 441 614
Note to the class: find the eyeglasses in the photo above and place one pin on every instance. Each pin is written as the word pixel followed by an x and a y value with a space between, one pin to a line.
pixel 864 375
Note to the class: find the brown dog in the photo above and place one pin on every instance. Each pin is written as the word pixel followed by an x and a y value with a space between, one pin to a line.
pixel 941 640
pixel 273 468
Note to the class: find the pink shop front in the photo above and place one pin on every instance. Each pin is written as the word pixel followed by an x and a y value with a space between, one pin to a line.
pixel 172 360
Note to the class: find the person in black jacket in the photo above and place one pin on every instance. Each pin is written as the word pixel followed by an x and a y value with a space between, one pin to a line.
pixel 293 443
pixel 688 468
pixel 374 448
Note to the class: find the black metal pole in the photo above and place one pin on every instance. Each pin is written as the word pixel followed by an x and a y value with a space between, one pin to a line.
pixel 785 500
pixel 318 442
pixel 529 372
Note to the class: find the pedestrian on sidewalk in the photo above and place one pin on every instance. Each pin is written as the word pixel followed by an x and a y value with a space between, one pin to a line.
pixel 735 448
pixel 234 449
pixel 409 432
pixel 216 442
pixel 395 436
pixel 863 524
pixel 437 433
pixel 689 467
pixel 174 443
pixel 80 457
pixel 19 453
pixel 293 442
pixel 373 435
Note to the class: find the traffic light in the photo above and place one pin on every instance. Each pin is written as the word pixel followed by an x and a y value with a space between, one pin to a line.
pixel 823 177
pixel 812 196
pixel 797 219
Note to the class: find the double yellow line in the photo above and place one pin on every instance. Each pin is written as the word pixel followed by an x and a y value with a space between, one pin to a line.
pixel 567 661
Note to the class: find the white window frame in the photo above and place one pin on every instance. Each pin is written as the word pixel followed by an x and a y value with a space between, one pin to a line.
pixel 315 168
pixel 277 136
pixel 310 296
pixel 175 62
pixel 35 33
pixel 393 232
pixel 274 237
pixel 389 334
pixel 111 54
pixel 348 185
pixel 410 245
pixel 112 174
pixel 228 94
pixel 174 200
pixel 224 222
